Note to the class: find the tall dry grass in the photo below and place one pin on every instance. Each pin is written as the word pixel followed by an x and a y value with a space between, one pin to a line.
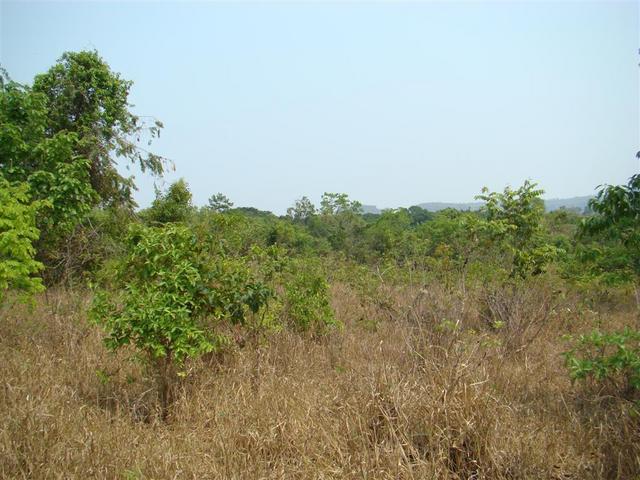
pixel 418 386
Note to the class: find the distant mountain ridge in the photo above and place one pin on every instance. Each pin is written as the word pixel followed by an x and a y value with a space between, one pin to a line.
pixel 551 204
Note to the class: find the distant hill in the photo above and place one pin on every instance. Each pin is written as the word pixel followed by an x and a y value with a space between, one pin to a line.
pixel 579 203
pixel 437 206
pixel 252 212
pixel 371 209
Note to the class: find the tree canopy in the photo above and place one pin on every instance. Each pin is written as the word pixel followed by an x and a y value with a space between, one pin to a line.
pixel 84 96
pixel 63 137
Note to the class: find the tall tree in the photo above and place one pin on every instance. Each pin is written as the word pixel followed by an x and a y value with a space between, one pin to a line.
pixel 62 136
pixel 48 162
pixel 84 96
pixel 220 203
pixel 302 211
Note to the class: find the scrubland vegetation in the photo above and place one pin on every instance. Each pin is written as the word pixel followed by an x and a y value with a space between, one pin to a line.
pixel 222 342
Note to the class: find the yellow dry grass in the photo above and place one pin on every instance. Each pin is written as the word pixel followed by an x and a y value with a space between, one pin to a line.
pixel 396 395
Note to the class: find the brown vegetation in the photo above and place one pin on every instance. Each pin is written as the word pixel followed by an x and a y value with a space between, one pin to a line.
pixel 421 385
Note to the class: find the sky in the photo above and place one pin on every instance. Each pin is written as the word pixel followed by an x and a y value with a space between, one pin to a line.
pixel 393 103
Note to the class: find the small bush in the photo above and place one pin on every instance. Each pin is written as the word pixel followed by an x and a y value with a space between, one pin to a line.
pixel 166 297
pixel 518 311
pixel 608 358
pixel 306 296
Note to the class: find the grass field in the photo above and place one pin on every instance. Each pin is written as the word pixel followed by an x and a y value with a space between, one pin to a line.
pixel 398 393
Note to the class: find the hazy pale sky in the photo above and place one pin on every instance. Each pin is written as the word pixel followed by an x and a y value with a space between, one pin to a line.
pixel 393 103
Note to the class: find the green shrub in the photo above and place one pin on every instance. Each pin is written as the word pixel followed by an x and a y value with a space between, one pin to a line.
pixel 515 224
pixel 306 296
pixel 616 225
pixel 17 234
pixel 612 358
pixel 166 296
pixel 173 205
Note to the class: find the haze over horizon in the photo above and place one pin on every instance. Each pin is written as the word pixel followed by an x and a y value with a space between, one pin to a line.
pixel 394 104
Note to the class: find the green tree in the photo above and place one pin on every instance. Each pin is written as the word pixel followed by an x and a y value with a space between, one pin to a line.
pixel 294 237
pixel 173 205
pixel 220 203
pixel 340 221
pixel 616 222
pixel 302 210
pixel 46 161
pixel 515 218
pixel 62 137
pixel 167 294
pixel 455 241
pixel 334 203
pixel 85 97
pixel 389 235
pixel 419 215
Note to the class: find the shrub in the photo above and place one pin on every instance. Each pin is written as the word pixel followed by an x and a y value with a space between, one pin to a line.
pixel 514 220
pixel 612 358
pixel 17 234
pixel 519 311
pixel 166 297
pixel 306 295
pixel 174 205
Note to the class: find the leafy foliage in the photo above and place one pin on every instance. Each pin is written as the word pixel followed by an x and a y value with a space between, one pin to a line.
pixel 158 302
pixel 296 238
pixel 174 205
pixel 167 295
pixel 166 298
pixel 62 137
pixel 17 234
pixel 419 215
pixel 607 357
pixel 458 236
pixel 220 203
pixel 616 222
pixel 47 161
pixel 307 304
pixel 334 203
pixel 84 97
pixel 302 211
pixel 340 221
pixel 515 218
pixel 388 235
pixel 611 357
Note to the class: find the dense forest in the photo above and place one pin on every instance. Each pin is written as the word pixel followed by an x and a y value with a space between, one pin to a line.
pixel 179 341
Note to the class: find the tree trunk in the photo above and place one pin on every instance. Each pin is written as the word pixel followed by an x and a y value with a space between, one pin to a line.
pixel 164 373
pixel 257 360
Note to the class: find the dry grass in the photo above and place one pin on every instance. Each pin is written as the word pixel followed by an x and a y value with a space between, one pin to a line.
pixel 399 395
